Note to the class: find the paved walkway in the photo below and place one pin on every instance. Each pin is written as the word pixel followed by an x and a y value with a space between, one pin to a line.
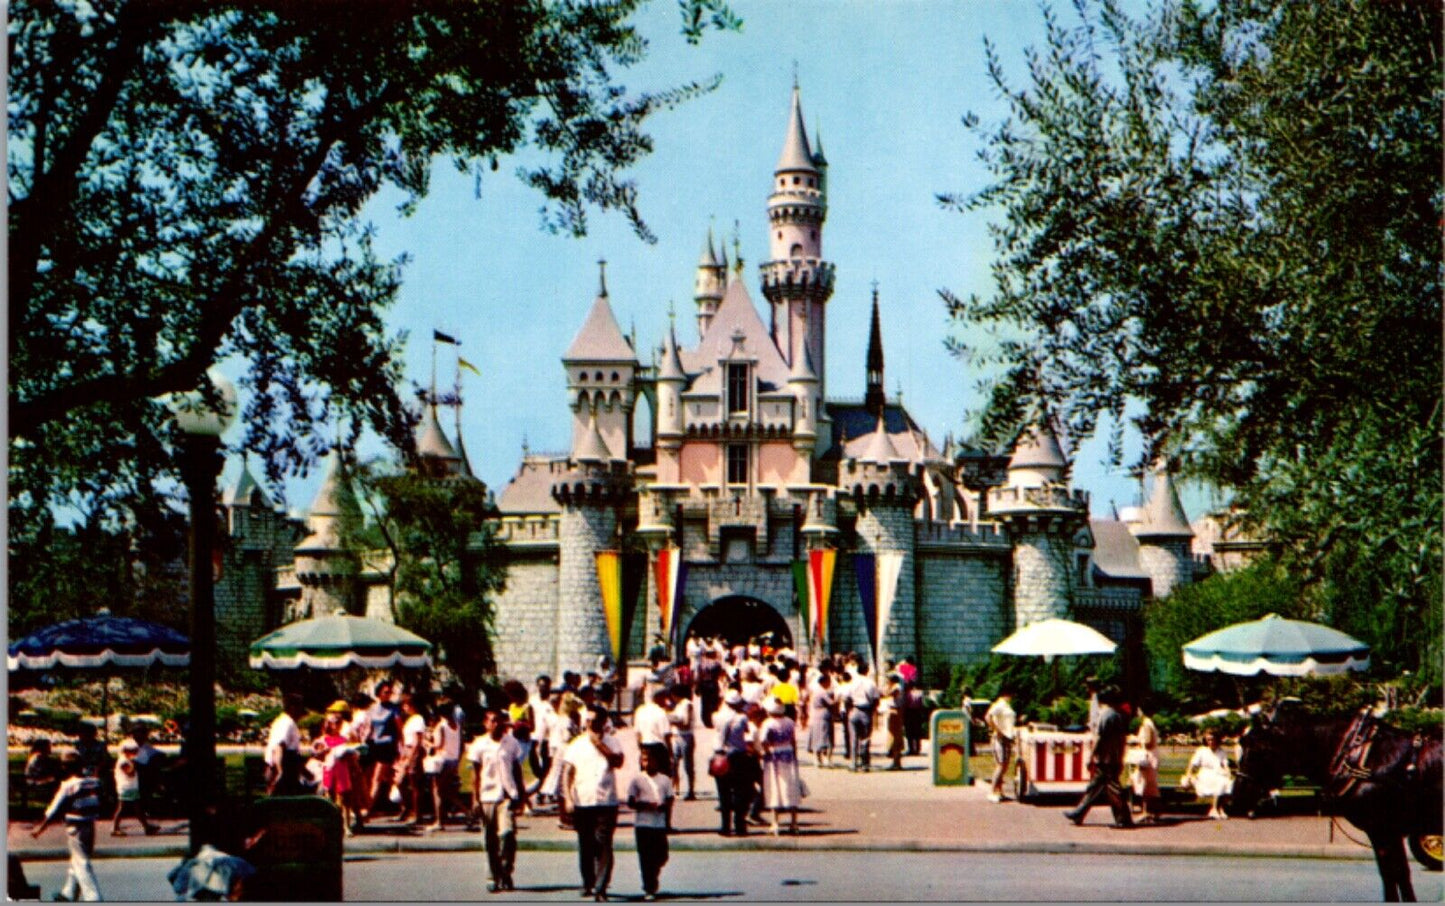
pixel 881 810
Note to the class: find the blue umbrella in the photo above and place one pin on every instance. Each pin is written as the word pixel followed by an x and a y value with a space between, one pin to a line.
pixel 98 642
pixel 1279 647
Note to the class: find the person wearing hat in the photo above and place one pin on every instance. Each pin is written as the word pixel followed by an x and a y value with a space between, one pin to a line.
pixel 77 802
pixel 734 787
pixel 782 787
pixel 127 790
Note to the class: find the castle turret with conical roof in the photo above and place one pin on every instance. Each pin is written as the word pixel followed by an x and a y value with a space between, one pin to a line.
pixel 797 281
pixel 1042 514
pixel 326 565
pixel 1163 533
pixel 602 371
pixel 710 284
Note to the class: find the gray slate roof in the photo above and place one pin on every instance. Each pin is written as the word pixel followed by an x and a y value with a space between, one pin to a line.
pixel 1163 513
pixel 853 424
pixel 1116 551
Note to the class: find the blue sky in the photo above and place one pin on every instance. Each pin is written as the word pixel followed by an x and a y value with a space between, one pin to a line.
pixel 887 85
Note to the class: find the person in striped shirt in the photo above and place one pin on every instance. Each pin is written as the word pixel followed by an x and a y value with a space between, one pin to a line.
pixel 77 803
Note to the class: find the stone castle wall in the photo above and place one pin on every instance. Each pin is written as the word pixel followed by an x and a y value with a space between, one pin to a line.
pixel 1042 583
pixel 890 529
pixel 579 624
pixel 258 540
pixel 963 608
pixel 1167 561
pixel 525 625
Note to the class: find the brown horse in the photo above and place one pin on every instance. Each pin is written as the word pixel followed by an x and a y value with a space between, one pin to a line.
pixel 1383 780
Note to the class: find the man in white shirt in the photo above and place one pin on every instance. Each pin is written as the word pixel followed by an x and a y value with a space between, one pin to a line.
pixel 1000 720
pixel 589 791
pixel 863 695
pixel 283 749
pixel 409 773
pixel 543 714
pixel 654 729
pixel 498 794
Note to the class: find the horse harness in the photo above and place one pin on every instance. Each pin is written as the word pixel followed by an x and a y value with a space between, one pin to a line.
pixel 1350 764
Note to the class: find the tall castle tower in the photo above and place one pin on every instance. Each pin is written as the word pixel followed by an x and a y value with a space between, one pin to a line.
pixel 711 283
pixel 1164 534
pixel 797 282
pixel 602 378
pixel 1042 515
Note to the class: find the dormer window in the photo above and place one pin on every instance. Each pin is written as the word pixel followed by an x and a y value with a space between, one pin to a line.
pixel 737 388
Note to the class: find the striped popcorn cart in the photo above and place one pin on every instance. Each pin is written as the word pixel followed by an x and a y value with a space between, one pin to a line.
pixel 1051 761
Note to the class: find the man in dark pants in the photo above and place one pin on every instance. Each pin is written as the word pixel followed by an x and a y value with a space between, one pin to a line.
pixel 735 788
pixel 1106 763
pixel 708 675
pixel 589 789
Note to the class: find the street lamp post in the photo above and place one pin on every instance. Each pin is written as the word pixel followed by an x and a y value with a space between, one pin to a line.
pixel 201 427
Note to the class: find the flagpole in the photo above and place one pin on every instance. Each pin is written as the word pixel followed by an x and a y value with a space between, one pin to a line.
pixel 434 368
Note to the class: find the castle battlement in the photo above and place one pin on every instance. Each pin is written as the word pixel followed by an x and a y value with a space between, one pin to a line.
pixel 989 535
pixel 530 530
pixel 1047 497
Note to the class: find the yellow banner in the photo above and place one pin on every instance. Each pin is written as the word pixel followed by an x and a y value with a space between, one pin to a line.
pixel 609 578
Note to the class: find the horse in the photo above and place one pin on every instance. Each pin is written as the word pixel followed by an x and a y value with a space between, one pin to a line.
pixel 1381 779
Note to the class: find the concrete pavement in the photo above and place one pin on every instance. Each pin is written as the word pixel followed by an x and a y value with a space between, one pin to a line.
pixel 897 811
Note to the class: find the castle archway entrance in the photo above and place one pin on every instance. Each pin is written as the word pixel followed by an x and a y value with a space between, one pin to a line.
pixel 739 619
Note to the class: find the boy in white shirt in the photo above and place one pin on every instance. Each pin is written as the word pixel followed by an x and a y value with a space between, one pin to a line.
pixel 650 796
pixel 498 793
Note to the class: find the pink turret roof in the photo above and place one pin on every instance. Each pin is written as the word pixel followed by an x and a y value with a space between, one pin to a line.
pixel 1163 513
pixel 600 339
pixel 878 447
pixel 670 368
pixel 736 313
pixel 1038 447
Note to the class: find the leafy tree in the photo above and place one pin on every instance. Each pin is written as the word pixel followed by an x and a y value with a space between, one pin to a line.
pixel 185 185
pixel 1229 213
pixel 447 567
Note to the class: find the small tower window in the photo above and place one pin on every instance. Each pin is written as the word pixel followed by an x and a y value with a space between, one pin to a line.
pixel 614 377
pixel 737 464
pixel 582 378
pixel 797 180
pixel 597 376
pixel 737 388
pixel 811 182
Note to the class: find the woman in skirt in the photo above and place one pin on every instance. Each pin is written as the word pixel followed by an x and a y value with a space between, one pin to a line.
pixel 782 787
pixel 822 704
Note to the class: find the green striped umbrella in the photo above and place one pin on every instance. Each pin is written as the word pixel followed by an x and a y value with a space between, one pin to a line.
pixel 338 642
pixel 1277 646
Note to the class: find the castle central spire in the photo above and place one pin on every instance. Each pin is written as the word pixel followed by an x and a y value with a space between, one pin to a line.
pixel 875 399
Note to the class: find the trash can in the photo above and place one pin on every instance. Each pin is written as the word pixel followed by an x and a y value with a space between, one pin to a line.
pixel 950 748
pixel 296 849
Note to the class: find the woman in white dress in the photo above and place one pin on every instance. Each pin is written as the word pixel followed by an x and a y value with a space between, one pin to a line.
pixel 782 788
pixel 1145 759
pixel 1209 773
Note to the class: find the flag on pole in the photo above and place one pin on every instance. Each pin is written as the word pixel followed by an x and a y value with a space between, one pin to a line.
pixel 820 591
pixel 439 337
pixel 671 575
pixel 463 363
pixel 800 588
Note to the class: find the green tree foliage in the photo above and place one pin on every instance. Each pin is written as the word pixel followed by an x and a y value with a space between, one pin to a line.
pixel 448 567
pixel 185 183
pixel 1226 217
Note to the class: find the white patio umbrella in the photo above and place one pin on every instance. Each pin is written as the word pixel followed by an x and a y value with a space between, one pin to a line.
pixel 1053 637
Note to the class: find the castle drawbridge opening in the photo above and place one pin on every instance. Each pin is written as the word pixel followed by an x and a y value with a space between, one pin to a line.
pixel 739 620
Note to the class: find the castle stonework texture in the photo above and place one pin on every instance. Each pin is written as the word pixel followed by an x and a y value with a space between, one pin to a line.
pixel 750 465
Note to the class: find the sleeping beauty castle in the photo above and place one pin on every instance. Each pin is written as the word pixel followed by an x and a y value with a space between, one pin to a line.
pixel 763 501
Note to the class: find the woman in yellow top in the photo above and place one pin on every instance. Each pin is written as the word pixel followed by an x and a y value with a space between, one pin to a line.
pixel 785 693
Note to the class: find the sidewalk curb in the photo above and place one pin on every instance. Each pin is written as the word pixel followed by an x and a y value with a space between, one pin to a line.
pixel 762 843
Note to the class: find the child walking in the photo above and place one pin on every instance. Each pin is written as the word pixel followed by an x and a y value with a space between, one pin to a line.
pixel 650 796
pixel 127 790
